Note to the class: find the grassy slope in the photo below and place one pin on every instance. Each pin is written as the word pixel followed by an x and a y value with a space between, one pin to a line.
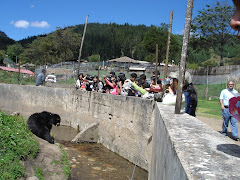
pixel 16 144
pixel 209 108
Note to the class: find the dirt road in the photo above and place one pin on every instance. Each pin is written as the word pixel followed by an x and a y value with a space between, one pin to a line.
pixel 216 125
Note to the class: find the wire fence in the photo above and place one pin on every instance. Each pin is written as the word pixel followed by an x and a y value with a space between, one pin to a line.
pixel 207 86
pixel 210 86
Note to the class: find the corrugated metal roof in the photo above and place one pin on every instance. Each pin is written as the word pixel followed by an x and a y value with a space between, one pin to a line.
pixel 17 70
pixel 126 59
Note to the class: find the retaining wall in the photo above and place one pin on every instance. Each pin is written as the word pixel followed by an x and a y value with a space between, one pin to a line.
pixel 125 123
pixel 182 147
pixel 186 148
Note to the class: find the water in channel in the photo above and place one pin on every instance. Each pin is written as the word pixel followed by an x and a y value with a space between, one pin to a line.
pixel 94 161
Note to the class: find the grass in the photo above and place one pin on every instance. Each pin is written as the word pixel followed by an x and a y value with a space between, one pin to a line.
pixel 214 90
pixel 209 108
pixel 12 78
pixel 16 144
pixel 39 173
pixel 64 161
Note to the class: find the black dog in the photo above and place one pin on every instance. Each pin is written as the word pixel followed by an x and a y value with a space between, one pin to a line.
pixel 41 124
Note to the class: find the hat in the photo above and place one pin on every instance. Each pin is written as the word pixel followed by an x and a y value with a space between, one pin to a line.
pixel 188 77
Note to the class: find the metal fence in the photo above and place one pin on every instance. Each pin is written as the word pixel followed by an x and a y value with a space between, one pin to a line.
pixel 207 86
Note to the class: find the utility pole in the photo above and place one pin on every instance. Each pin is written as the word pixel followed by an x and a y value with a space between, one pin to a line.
pixel 156 62
pixel 207 84
pixel 80 50
pixel 168 43
pixel 19 71
pixel 98 73
pixel 182 68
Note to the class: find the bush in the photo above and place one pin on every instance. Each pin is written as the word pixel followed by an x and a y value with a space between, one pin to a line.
pixel 12 78
pixel 16 144
pixel 192 66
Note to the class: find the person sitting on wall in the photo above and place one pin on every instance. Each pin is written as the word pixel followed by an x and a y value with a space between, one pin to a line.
pixel 132 91
pixel 121 78
pixel 170 94
pixel 173 86
pixel 79 82
pixel 143 81
pixel 140 91
pixel 88 81
pixel 97 86
pixel 110 78
pixel 114 84
pixel 154 87
pixel 40 80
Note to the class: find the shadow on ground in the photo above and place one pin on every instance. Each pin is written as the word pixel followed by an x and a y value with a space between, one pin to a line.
pixel 230 149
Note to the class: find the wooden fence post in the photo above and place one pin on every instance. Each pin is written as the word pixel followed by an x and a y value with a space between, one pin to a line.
pixel 168 44
pixel 80 50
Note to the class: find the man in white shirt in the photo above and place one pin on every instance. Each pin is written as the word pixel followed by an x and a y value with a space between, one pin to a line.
pixel 225 95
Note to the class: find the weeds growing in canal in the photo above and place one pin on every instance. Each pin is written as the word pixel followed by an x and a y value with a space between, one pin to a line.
pixel 16 144
pixel 64 161
pixel 39 173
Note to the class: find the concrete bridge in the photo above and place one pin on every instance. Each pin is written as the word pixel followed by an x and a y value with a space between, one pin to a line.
pixel 168 146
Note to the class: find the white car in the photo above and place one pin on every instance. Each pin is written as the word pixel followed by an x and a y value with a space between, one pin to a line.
pixel 51 78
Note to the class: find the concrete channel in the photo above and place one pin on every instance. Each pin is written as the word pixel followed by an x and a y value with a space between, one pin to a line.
pixel 168 146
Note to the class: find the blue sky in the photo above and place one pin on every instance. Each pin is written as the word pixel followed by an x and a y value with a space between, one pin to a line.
pixel 23 18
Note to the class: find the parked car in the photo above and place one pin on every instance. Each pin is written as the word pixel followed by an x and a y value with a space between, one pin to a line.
pixel 51 78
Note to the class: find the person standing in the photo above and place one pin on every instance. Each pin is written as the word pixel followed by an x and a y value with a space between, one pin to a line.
pixel 225 95
pixel 40 80
pixel 191 99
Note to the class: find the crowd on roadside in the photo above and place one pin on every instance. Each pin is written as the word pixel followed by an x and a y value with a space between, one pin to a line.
pixel 138 86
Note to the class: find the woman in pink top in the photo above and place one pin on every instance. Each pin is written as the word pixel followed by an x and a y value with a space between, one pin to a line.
pixel 116 89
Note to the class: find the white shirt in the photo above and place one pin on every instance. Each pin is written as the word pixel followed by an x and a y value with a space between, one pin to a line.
pixel 226 95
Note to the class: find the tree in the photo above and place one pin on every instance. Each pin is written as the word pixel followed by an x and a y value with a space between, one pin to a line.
pixel 67 42
pixel 2 56
pixel 159 35
pixel 211 27
pixel 33 52
pixel 93 58
pixel 13 51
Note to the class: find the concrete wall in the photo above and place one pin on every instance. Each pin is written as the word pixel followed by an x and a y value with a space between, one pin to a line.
pixel 186 148
pixel 125 123
pixel 182 146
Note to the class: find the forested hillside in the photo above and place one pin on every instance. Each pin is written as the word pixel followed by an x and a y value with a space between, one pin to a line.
pixel 107 40
pixel 212 42
pixel 5 41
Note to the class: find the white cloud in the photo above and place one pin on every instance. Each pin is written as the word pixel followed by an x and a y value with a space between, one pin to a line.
pixel 32 6
pixel 180 32
pixel 26 24
pixel 42 24
pixel 20 24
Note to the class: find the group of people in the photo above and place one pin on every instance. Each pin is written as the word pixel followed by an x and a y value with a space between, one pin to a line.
pixel 119 84
pixel 139 86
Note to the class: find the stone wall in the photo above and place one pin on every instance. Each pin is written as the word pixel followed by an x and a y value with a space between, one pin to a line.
pixel 186 148
pixel 125 123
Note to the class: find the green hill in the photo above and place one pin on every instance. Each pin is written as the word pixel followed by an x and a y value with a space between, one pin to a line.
pixel 5 41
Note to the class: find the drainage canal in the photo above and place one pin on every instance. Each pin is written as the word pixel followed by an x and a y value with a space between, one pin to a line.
pixel 94 161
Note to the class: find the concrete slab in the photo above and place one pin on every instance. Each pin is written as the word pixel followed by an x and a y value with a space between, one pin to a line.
pixel 202 152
